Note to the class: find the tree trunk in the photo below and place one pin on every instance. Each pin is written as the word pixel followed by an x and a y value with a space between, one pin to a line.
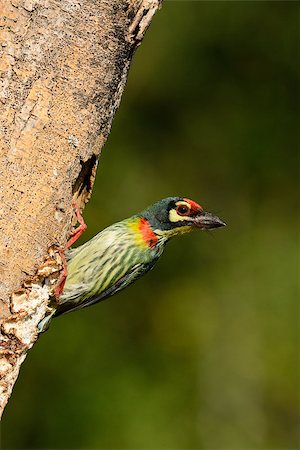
pixel 63 67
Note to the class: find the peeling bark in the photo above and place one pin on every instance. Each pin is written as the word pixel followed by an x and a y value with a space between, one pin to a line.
pixel 63 67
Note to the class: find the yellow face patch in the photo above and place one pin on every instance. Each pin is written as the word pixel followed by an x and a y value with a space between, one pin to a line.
pixel 175 217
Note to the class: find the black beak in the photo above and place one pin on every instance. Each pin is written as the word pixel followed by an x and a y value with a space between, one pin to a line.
pixel 207 221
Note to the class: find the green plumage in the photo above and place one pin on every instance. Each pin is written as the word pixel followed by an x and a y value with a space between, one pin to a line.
pixel 104 265
pixel 125 251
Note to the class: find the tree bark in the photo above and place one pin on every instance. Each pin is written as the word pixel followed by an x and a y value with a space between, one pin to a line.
pixel 63 68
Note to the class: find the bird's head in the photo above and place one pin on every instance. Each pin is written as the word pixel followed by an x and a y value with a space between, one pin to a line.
pixel 176 215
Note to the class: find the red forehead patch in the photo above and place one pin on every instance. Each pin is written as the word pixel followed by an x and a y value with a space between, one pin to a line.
pixel 194 205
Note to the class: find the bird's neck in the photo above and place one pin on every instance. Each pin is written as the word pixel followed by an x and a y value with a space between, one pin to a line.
pixel 149 235
pixel 144 235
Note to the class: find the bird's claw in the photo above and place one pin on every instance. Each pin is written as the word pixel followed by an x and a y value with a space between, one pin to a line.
pixel 75 233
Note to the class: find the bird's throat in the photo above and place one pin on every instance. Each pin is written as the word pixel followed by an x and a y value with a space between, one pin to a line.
pixel 168 234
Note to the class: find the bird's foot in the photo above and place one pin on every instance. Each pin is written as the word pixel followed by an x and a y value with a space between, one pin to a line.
pixel 63 273
pixel 75 234
pixel 79 230
pixel 62 276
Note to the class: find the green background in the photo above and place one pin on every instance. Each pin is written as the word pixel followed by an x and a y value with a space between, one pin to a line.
pixel 201 353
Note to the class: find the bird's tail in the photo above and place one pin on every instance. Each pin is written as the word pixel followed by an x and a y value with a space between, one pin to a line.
pixel 43 325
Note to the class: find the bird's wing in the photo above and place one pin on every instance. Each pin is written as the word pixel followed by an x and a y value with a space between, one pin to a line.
pixel 130 276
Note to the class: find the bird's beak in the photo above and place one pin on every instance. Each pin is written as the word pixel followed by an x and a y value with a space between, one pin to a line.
pixel 207 221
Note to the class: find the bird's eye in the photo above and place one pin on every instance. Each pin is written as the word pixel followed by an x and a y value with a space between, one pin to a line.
pixel 182 210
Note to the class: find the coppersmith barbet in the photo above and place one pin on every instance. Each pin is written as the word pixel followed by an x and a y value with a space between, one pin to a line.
pixel 126 250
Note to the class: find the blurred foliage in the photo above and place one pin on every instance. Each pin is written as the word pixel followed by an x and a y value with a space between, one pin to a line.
pixel 201 353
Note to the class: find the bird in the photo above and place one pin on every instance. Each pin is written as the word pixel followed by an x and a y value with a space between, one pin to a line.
pixel 125 251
